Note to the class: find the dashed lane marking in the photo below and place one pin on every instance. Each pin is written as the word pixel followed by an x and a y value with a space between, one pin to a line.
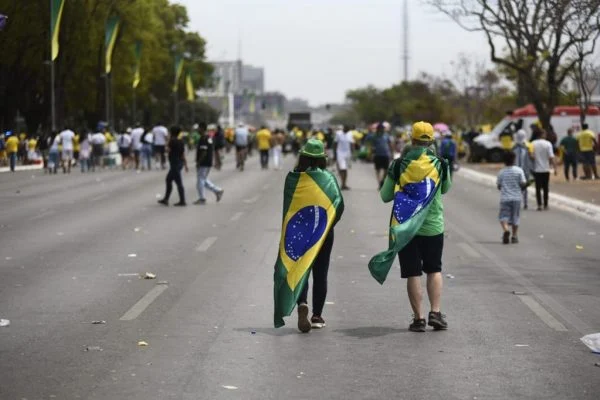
pixel 205 245
pixel 143 303
pixel 236 216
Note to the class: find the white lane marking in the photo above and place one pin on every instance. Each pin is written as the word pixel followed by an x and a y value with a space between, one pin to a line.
pixel 143 303
pixel 251 200
pixel 130 274
pixel 236 216
pixel 543 314
pixel 566 315
pixel 42 215
pixel 205 245
pixel 471 252
pixel 99 197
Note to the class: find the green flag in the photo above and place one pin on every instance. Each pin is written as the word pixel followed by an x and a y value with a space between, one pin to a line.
pixel 312 205
pixel 421 174
pixel 110 37
pixel 189 86
pixel 56 11
pixel 138 62
pixel 178 71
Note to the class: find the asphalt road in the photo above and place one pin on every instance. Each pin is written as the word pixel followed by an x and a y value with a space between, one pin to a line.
pixel 67 246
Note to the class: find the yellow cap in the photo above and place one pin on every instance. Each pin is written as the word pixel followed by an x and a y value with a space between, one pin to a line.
pixel 422 131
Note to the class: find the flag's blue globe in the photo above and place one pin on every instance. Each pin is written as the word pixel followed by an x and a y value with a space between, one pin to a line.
pixel 304 230
pixel 412 198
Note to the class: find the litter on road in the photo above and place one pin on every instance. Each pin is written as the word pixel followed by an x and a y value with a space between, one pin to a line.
pixel 592 341
pixel 137 229
pixel 98 322
pixel 449 276
pixel 4 322
pixel 93 348
pixel 142 343
pixel 162 282
pixel 518 293
pixel 149 275
pixel 579 247
pixel 521 345
pixel 229 387
pixel 131 255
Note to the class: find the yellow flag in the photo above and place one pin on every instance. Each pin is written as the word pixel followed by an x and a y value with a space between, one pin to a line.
pixel 189 86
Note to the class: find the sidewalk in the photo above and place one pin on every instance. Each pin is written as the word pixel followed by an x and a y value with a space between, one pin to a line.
pixel 23 168
pixel 579 197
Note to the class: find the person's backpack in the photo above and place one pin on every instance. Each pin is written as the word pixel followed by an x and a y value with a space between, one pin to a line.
pixel 446 148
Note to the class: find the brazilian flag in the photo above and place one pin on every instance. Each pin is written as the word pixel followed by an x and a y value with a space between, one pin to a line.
pixel 312 205
pixel 421 176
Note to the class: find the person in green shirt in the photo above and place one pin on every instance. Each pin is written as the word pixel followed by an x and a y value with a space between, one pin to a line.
pixel 569 147
pixel 424 252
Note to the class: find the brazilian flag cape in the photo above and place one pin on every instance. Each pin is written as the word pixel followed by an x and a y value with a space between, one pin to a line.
pixel 420 177
pixel 312 205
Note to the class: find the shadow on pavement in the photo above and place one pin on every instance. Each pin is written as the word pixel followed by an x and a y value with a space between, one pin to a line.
pixel 268 331
pixel 367 332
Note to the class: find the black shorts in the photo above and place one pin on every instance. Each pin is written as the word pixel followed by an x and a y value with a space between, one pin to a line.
pixel 98 150
pixel 240 148
pixel 158 149
pixel 588 158
pixel 381 162
pixel 125 152
pixel 421 254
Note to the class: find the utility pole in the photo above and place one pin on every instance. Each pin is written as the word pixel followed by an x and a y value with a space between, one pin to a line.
pixel 405 53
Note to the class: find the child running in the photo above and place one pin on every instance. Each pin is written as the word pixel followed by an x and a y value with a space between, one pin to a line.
pixel 511 182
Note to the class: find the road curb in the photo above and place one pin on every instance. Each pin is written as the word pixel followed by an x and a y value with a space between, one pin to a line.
pixel 23 168
pixel 575 206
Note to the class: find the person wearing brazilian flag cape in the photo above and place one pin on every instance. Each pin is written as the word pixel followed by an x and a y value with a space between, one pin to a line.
pixel 312 205
pixel 415 182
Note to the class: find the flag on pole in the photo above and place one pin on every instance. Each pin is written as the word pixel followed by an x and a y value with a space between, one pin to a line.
pixel 178 71
pixel 252 105
pixel 312 205
pixel 110 37
pixel 422 174
pixel 189 86
pixel 138 62
pixel 56 11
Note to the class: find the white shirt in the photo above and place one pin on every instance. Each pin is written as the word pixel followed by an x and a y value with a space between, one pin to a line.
pixel 98 138
pixel 54 146
pixel 160 135
pixel 124 141
pixel 66 137
pixel 136 138
pixel 542 153
pixel 344 141
pixel 241 136
pixel 149 138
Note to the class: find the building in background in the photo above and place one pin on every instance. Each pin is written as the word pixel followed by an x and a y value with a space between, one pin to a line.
pixel 253 79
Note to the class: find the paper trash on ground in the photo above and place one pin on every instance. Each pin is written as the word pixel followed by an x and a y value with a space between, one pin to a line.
pixel 142 343
pixel 592 341
pixel 4 322
pixel 149 275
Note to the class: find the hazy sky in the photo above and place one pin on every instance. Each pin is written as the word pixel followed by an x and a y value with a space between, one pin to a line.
pixel 318 49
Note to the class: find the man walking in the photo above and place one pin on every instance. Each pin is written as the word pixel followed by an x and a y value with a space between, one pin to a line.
pixel 382 152
pixel 510 182
pixel 136 144
pixel 263 139
pixel 543 162
pixel 568 146
pixel 417 224
pixel 449 150
pixel 343 153
pixel 124 143
pixel 241 145
pixel 278 142
pixel 204 161
pixel 12 148
pixel 177 161
pixel 160 134
pixel 587 146
pixel 66 139
pixel 523 161
pixel 98 139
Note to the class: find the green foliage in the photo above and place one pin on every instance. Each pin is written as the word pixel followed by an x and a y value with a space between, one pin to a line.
pixel 80 84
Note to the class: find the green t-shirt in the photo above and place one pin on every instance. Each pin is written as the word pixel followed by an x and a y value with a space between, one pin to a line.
pixel 570 144
pixel 434 223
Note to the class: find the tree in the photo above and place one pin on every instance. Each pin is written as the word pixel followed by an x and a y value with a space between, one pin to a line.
pixel 535 39
pixel 161 26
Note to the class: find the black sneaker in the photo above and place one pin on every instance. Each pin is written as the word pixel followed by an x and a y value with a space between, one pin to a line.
pixel 304 324
pixel 437 320
pixel 219 195
pixel 317 322
pixel 200 201
pixel 418 325
pixel 514 240
pixel 163 202
pixel 506 237
pixel 180 204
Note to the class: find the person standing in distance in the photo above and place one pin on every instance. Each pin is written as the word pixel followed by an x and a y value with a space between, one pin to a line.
pixel 205 153
pixel 587 144
pixel 343 153
pixel 124 142
pixel 66 138
pixel 241 144
pixel 382 152
pixel 263 140
pixel 160 134
pixel 177 161
pixel 543 162
pixel 136 144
